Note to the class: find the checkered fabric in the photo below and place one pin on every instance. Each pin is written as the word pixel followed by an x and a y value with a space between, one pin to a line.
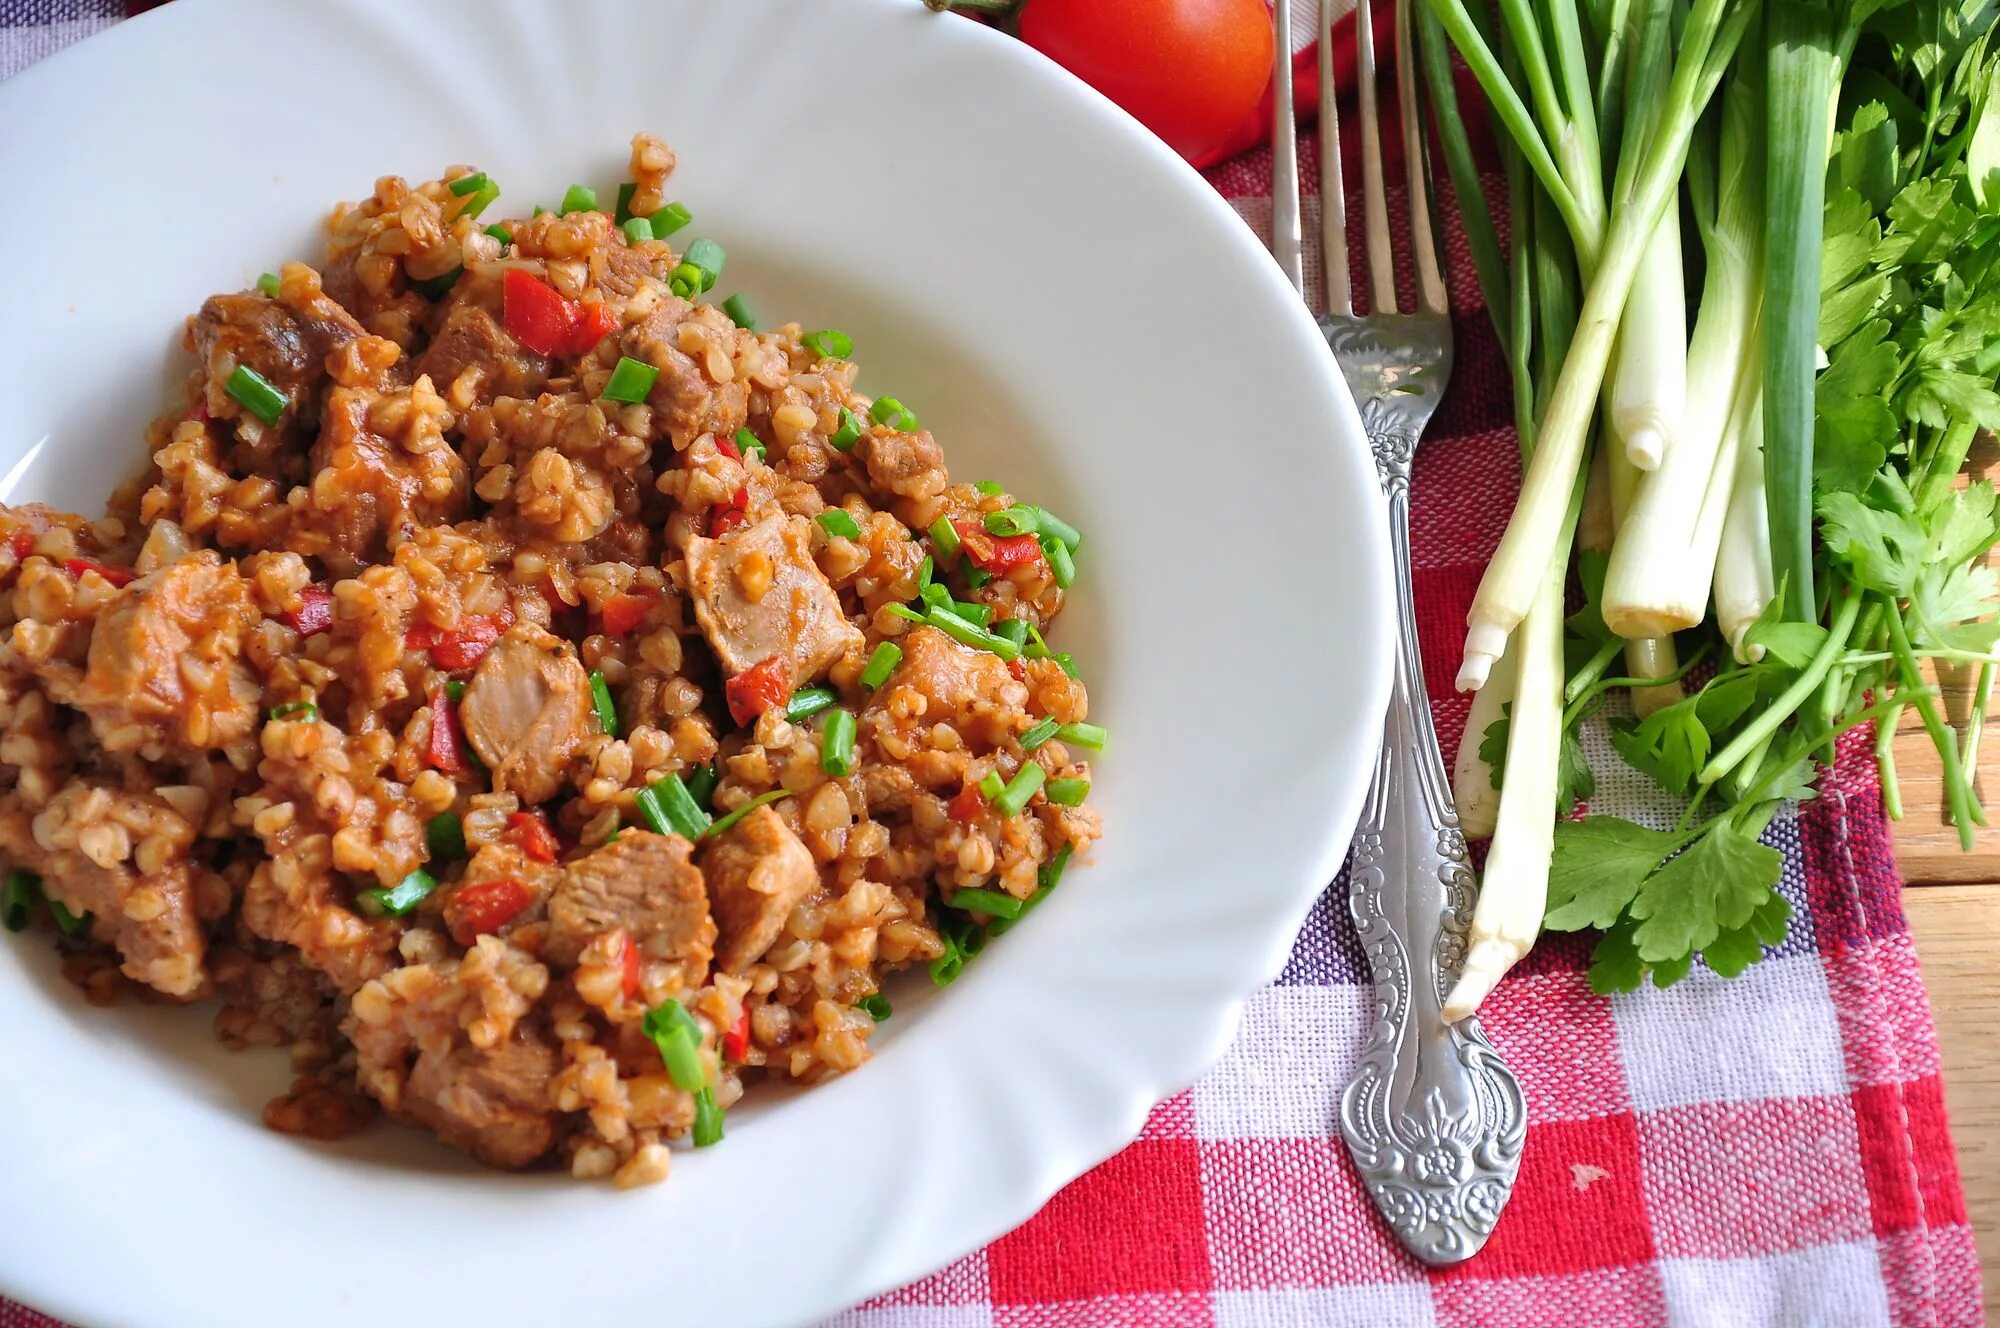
pixel 1766 1150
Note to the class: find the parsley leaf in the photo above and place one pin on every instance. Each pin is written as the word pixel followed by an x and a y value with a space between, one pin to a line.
pixel 1597 868
pixel 1718 882
pixel 1736 948
pixel 1615 964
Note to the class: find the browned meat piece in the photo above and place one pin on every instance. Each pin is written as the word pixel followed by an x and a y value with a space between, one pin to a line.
pixel 757 874
pixel 164 666
pixel 492 1103
pixel 969 689
pixel 526 711
pixel 373 492
pixel 286 345
pixel 642 884
pixel 291 899
pixel 909 465
pixel 466 910
pixel 472 339
pixel 758 593
pixel 85 855
pixel 688 404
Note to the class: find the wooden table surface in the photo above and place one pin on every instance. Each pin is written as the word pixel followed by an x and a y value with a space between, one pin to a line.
pixel 1953 902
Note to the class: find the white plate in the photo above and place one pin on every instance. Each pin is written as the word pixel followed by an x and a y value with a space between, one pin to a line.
pixel 1068 306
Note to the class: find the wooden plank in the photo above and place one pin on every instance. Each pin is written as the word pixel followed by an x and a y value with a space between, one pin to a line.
pixel 1927 849
pixel 1957 929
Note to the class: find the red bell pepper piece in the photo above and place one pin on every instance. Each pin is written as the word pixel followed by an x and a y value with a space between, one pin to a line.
pixel 998 554
pixel 315 612
pixel 736 1042
pixel 967 805
pixel 592 323
pixel 446 751
pixel 722 520
pixel 629 958
pixel 623 613
pixel 758 688
pixel 22 543
pixel 535 314
pixel 530 833
pixel 117 576
pixel 486 906
pixel 453 651
pixel 727 446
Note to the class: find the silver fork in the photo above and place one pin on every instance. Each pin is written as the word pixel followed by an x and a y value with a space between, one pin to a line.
pixel 1433 1118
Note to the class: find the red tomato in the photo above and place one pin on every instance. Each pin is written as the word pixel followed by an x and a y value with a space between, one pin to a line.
pixel 1192 71
pixel 446 751
pixel 531 834
pixel 117 576
pixel 484 907
pixel 758 688
pixel 315 612
pixel 623 613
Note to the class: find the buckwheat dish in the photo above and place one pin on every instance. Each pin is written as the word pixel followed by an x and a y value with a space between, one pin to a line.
pixel 540 698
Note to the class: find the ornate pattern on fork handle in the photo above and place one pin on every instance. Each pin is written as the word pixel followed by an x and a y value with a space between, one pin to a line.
pixel 1433 1118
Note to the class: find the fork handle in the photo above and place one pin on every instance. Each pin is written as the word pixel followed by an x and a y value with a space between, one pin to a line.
pixel 1433 1117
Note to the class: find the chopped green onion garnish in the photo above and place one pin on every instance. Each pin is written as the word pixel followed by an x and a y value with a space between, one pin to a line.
pixel 701 782
pixel 1062 565
pixel 837 521
pixel 1051 524
pixel 1039 733
pixel 674 1031
pixel 539 210
pixel 455 690
pixel 500 233
pixel 809 701
pixel 256 394
pixel 747 442
pixel 685 281
pixel 436 288
pixel 631 382
pixel 1014 629
pixel 906 612
pixel 707 1119
pixel 579 198
pixel 669 809
pixel 607 709
pixel 637 230
pixel 18 899
pixel 1019 789
pixel 876 1007
pixel 944 536
pixel 848 434
pixel 836 743
pixel 978 577
pixel 268 283
pixel 989 488
pixel 881 664
pixel 976 614
pixel 1015 520
pixel 1068 662
pixel 67 922
pixel 987 901
pixel 925 571
pixel 889 411
pixel 669 219
pixel 444 836
pixel 724 824
pixel 412 890
pixel 991 785
pixel 468 184
pixel 1067 792
pixel 305 710
pixel 1083 735
pixel 1046 880
pixel 482 200
pixel 739 313
pixel 829 344
pixel 623 213
pixel 967 634
pixel 709 257
pixel 957 934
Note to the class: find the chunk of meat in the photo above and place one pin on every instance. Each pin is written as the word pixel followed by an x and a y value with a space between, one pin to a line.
pixel 492 1102
pixel 292 898
pixel 642 884
pixel 82 847
pixel 972 690
pixel 758 593
pixel 685 402
pixel 909 465
pixel 526 712
pixel 165 665
pixel 287 346
pixel 473 340
pixel 374 491
pixel 497 862
pixel 757 874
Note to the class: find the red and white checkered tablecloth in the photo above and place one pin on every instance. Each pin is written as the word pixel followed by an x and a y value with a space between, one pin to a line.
pixel 1766 1150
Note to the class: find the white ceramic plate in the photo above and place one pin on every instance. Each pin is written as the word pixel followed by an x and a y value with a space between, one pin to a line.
pixel 1067 305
